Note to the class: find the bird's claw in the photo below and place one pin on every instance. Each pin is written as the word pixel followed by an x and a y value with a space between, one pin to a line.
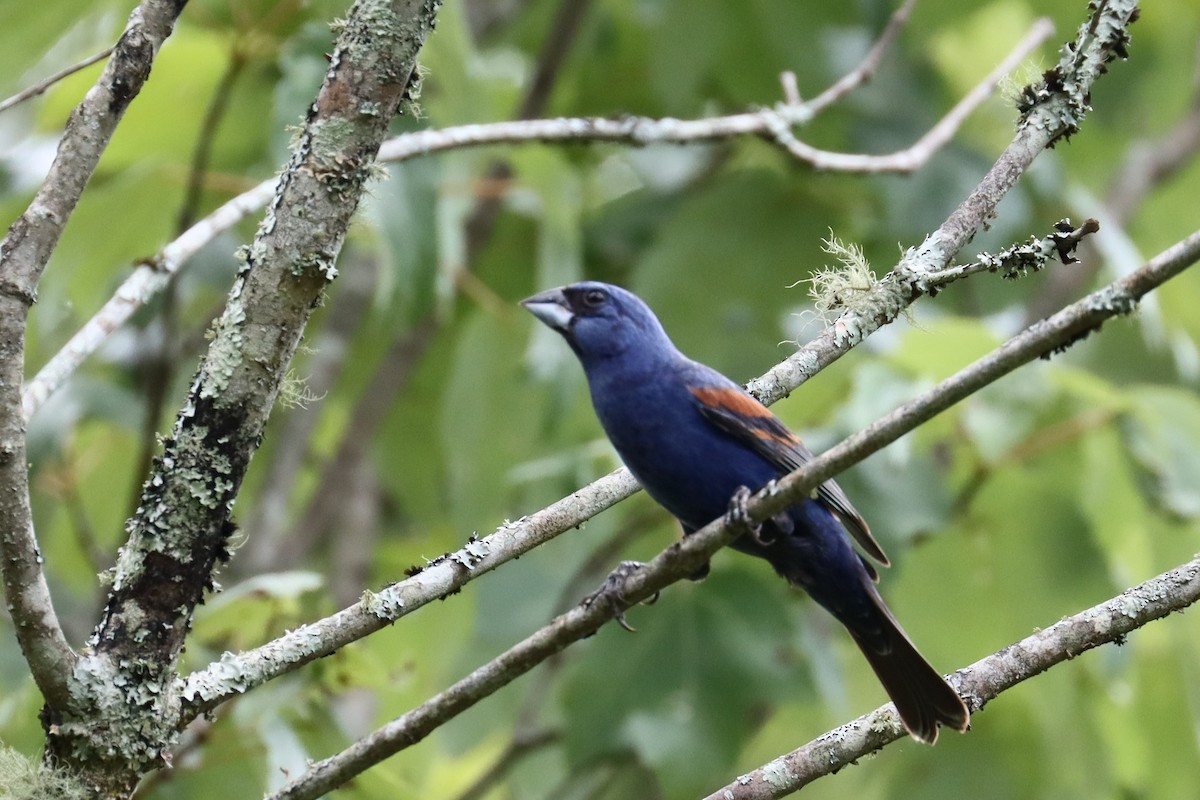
pixel 739 515
pixel 613 593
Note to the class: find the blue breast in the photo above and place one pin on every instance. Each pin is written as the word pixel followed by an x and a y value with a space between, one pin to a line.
pixel 686 464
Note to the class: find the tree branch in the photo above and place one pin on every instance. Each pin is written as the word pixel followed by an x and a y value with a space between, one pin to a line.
pixel 1148 163
pixel 979 683
pixel 23 255
pixel 234 674
pixel 149 278
pixel 683 558
pixel 181 529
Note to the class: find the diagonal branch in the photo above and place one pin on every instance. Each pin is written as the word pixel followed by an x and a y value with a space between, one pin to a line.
pixel 683 558
pixel 148 279
pixel 23 255
pixel 979 683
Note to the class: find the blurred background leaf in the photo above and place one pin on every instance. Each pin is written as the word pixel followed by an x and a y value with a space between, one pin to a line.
pixel 439 409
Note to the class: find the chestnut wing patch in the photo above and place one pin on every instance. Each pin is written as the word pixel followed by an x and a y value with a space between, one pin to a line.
pixel 743 417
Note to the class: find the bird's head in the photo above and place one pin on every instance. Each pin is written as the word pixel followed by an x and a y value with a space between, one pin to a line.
pixel 600 321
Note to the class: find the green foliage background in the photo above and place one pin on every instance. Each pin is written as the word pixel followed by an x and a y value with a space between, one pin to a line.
pixel 1042 495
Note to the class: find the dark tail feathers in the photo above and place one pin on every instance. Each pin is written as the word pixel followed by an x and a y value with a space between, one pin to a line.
pixel 921 696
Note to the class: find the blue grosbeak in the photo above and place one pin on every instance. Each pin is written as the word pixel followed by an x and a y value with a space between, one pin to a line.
pixel 694 439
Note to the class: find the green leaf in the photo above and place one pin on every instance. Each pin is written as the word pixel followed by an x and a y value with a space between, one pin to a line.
pixel 1164 436
pixel 1115 508
pixel 688 688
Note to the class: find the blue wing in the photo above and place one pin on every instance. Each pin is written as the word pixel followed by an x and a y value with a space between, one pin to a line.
pixel 738 414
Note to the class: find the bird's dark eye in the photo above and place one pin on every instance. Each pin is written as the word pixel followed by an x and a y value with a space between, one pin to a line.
pixel 593 298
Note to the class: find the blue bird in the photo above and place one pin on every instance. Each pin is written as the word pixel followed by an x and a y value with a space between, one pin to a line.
pixel 694 439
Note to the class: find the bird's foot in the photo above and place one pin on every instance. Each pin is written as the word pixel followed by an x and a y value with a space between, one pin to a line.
pixel 739 515
pixel 612 592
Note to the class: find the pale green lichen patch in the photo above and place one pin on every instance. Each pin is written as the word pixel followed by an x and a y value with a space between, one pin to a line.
pixel 236 674
pixel 1131 606
pixel 121 710
pixel 225 353
pixel 385 605
pixel 927 258
pixel 314 263
pixel 777 774
pixel 472 553
pixel 219 679
pixel 331 135
pixel 1114 300
pixel 1059 102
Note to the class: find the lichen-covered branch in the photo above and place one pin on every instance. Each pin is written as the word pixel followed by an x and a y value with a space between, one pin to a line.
pixel 125 708
pixel 23 255
pixel 684 557
pixel 237 673
pixel 979 683
pixel 1020 259
pixel 1039 340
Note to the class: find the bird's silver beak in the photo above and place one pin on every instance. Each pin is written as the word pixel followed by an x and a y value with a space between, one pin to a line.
pixel 551 307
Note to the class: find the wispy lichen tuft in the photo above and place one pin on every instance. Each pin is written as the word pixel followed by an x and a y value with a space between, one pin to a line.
pixel 22 779
pixel 295 392
pixel 845 287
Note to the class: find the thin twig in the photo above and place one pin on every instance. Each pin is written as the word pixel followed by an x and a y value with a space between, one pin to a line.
pixel 525 728
pixel 43 85
pixel 913 157
pixel 864 71
pixel 148 278
pixel 518 748
pixel 682 558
